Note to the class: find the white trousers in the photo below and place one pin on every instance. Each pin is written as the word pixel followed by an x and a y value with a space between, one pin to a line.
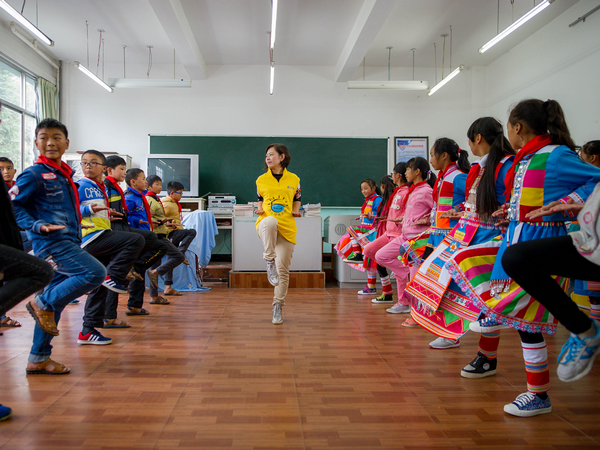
pixel 281 250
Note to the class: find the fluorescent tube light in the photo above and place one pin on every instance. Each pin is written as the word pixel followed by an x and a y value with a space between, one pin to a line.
pixel 26 23
pixel 272 78
pixel 146 83
pixel 401 85
pixel 445 80
pixel 529 15
pixel 273 23
pixel 93 77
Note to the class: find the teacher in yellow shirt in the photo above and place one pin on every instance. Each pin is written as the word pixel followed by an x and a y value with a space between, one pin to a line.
pixel 278 205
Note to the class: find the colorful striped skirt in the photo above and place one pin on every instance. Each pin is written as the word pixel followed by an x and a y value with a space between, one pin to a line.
pixel 363 235
pixel 471 269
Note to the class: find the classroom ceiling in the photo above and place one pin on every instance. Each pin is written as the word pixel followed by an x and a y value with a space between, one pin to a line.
pixel 337 33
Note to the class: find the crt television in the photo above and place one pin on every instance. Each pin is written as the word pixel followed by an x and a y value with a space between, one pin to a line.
pixel 182 168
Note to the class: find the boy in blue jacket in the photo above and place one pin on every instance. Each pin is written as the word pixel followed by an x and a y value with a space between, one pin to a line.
pixel 117 250
pixel 140 217
pixel 46 203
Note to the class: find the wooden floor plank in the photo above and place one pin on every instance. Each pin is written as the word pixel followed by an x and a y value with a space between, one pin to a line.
pixel 211 371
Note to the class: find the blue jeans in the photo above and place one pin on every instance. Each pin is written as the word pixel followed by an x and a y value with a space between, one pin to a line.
pixel 76 273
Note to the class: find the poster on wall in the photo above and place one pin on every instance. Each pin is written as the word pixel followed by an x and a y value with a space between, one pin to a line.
pixel 410 147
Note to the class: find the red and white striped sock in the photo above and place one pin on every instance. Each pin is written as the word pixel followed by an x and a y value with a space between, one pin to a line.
pixel 536 365
pixel 386 285
pixel 488 344
pixel 371 279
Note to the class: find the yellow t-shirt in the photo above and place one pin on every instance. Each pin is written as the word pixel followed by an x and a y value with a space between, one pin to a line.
pixel 278 199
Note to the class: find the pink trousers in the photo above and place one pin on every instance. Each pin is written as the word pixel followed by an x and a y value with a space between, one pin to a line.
pixel 385 250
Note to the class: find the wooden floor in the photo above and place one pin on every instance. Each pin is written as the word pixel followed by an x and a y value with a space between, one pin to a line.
pixel 211 371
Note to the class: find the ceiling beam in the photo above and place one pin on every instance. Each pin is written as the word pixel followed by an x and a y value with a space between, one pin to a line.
pixel 173 20
pixel 369 21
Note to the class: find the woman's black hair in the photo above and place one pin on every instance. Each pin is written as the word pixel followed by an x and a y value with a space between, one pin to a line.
pixel 591 148
pixel 400 169
pixel 422 164
pixel 457 155
pixel 372 184
pixel 388 184
pixel 492 132
pixel 282 150
pixel 543 118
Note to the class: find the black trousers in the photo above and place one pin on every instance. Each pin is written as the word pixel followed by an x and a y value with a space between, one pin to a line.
pixel 182 238
pixel 174 258
pixel 118 251
pixel 147 257
pixel 23 275
pixel 137 287
pixel 531 264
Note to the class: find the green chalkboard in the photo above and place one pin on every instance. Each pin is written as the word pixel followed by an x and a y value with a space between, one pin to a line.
pixel 330 169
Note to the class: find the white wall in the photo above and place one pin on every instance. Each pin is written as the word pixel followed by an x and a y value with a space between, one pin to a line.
pixel 235 100
pixel 559 63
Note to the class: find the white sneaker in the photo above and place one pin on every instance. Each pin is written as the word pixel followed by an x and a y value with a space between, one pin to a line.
pixel 398 309
pixel 272 274
pixel 528 405
pixel 277 316
pixel 442 343
pixel 577 355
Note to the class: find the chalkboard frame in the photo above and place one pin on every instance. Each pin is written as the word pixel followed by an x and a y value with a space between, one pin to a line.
pixel 330 168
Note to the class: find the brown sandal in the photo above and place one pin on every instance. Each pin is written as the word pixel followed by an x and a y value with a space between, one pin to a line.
pixel 173 292
pixel 44 319
pixel 160 300
pixel 58 369
pixel 115 323
pixel 8 322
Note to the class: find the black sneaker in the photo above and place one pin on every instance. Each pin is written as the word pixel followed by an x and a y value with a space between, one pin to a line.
pixel 354 258
pixel 480 367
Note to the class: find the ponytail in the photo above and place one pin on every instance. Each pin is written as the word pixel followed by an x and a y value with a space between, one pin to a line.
pixel 460 157
pixel 422 165
pixel 543 118
pixel 388 190
pixel 492 132
pixel 400 169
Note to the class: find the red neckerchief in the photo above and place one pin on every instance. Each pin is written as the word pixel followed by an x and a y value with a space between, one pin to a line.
pixel 474 172
pixel 155 197
pixel 370 197
pixel 410 189
pixel 528 149
pixel 118 188
pixel 146 208
pixel 67 172
pixel 439 179
pixel 10 183
pixel 103 189
pixel 179 206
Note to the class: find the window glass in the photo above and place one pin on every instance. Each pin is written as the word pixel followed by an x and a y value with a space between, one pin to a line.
pixel 10 84
pixel 10 136
pixel 30 94
pixel 30 153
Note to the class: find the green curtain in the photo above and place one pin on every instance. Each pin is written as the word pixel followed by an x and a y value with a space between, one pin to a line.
pixel 47 100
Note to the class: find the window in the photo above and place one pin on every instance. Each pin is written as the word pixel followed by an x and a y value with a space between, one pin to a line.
pixel 17 94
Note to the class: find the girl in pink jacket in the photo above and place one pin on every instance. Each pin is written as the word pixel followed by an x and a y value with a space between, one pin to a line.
pixel 417 204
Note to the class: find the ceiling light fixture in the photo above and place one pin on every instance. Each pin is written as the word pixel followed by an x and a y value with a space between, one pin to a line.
pixel 273 22
pixel 121 83
pixel 272 78
pixel 26 23
pixel 527 16
pixel 93 77
pixel 438 86
pixel 399 85
pixel 403 85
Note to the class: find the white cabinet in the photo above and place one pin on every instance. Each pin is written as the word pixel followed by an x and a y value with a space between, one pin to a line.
pixel 335 228
pixel 247 248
